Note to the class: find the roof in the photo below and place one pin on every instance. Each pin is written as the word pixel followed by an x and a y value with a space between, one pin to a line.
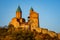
pixel 18 9
pixel 31 8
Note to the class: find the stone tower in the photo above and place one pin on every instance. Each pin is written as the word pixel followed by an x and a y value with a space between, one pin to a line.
pixel 16 20
pixel 18 13
pixel 33 19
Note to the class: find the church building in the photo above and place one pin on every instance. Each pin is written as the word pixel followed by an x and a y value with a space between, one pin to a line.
pixel 18 21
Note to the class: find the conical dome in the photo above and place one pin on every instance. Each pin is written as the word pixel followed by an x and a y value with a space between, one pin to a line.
pixel 31 9
pixel 18 9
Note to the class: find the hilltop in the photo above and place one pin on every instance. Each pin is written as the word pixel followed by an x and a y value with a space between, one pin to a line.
pixel 12 33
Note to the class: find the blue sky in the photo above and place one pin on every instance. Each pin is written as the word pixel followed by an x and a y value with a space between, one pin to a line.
pixel 49 12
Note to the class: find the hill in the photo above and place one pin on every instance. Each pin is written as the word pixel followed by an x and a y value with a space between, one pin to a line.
pixel 12 33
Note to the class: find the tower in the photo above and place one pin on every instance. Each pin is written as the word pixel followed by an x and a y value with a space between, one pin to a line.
pixel 33 18
pixel 18 13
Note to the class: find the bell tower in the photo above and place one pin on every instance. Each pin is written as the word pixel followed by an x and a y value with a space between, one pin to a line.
pixel 18 13
pixel 33 18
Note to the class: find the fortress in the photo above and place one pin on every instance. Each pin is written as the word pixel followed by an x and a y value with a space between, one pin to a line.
pixel 18 21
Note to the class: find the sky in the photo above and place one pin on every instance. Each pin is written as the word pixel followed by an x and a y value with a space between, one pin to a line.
pixel 49 12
